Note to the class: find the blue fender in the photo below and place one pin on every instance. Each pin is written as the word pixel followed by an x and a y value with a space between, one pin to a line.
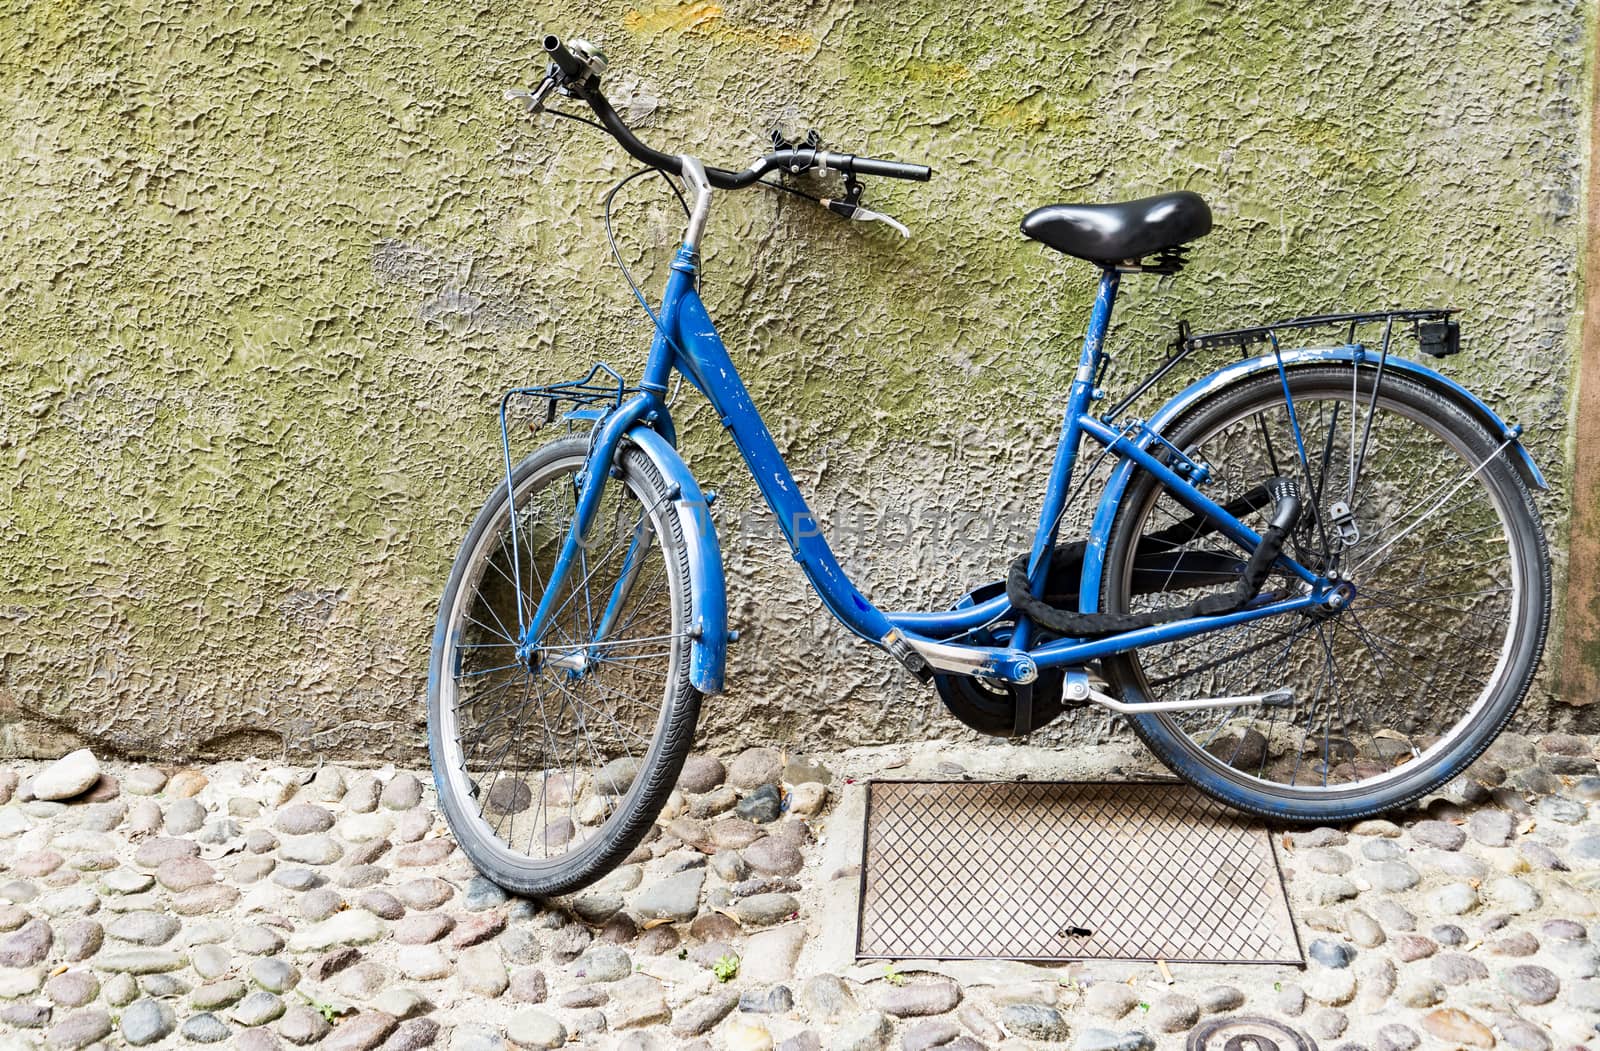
pixel 708 594
pixel 1100 531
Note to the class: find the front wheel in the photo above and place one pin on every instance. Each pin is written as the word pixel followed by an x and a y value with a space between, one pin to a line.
pixel 1417 507
pixel 553 760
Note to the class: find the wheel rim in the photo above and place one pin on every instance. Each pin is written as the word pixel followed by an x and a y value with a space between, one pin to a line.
pixel 547 755
pixel 1390 684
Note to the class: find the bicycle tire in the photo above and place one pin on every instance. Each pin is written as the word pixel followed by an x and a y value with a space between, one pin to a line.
pixel 630 816
pixel 1428 406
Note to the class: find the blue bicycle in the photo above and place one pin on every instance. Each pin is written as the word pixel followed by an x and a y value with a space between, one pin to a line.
pixel 1315 582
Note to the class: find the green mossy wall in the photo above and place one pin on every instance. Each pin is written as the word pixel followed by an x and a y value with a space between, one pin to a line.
pixel 265 267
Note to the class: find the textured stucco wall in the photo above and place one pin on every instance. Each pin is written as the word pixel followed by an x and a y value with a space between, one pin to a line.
pixel 264 268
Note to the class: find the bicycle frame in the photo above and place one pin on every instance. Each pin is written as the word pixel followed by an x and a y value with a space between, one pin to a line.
pixel 686 341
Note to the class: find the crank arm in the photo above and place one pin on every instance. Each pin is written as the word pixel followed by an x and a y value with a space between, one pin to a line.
pixel 985 662
pixel 1007 665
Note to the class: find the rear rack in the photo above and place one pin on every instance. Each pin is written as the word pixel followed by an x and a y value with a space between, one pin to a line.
pixel 1436 335
pixel 1244 337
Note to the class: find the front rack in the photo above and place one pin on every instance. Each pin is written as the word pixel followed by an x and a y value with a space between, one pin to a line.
pixel 598 392
pixel 1437 335
pixel 602 387
pixel 591 397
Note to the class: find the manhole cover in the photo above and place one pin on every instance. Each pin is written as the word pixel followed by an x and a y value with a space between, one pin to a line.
pixel 1247 1033
pixel 1067 871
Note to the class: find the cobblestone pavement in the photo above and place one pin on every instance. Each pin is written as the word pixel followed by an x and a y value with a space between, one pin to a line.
pixel 256 906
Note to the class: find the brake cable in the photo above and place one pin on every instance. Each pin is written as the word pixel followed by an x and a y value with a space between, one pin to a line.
pixel 788 189
pixel 572 116
pixel 616 253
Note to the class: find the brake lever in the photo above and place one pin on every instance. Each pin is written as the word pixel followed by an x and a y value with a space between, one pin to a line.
pixel 533 100
pixel 851 208
pixel 865 215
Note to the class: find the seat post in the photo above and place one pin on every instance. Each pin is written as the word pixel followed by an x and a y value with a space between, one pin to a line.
pixel 1095 338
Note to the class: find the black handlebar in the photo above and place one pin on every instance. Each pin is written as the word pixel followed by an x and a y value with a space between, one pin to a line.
pixel 888 169
pixel 581 83
pixel 806 159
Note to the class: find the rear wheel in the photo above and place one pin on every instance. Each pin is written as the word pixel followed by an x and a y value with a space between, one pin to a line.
pixel 1432 528
pixel 552 763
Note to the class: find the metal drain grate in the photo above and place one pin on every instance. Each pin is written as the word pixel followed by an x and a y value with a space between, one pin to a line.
pixel 1067 871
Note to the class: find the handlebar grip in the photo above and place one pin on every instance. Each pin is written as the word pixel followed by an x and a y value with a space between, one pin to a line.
pixel 888 169
pixel 565 60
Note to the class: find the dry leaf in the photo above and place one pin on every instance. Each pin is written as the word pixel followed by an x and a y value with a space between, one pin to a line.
pixel 213 851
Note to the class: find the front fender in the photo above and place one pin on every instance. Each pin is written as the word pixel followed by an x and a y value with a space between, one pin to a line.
pixel 708 596
pixel 1105 513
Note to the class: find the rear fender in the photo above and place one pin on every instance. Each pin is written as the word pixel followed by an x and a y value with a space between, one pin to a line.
pixel 1105 513
pixel 708 597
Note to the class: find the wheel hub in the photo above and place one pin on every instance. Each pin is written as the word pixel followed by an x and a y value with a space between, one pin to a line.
pixel 1335 601
pixel 577 661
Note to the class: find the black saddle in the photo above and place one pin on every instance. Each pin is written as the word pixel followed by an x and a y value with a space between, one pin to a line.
pixel 1122 233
